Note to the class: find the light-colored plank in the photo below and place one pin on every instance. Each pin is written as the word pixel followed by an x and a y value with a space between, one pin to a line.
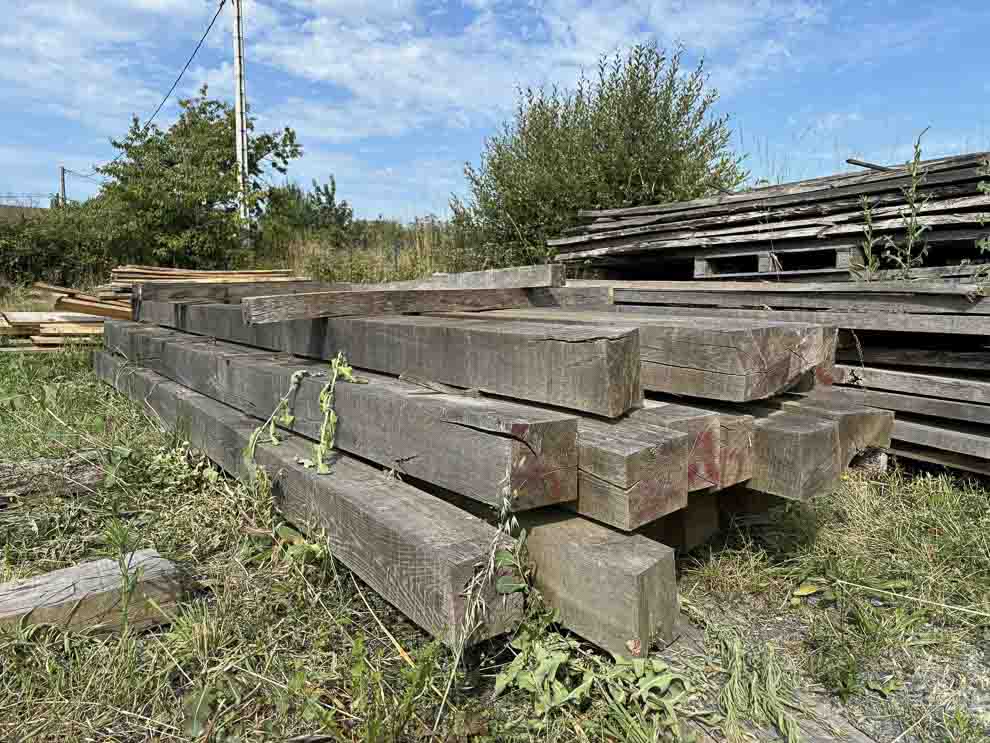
pixel 70 329
pixel 419 552
pixel 37 318
pixel 64 340
pixel 91 595
pixel 105 309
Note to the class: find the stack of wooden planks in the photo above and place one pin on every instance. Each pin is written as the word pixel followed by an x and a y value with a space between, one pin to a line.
pixel 38 332
pixel 494 392
pixel 920 348
pixel 807 228
pixel 73 300
pixel 123 278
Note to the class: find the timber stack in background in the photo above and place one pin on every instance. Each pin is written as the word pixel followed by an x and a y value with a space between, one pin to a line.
pixel 809 229
pixel 920 348
pixel 487 391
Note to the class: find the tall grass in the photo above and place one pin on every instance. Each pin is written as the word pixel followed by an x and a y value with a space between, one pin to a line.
pixel 375 251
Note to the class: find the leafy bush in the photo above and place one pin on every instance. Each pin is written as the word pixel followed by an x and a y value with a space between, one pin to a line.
pixel 641 132
pixel 170 197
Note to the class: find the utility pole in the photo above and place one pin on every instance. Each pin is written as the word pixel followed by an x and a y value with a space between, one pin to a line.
pixel 61 185
pixel 240 112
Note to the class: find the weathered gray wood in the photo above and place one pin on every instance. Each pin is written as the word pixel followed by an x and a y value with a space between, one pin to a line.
pixel 701 241
pixel 774 224
pixel 617 590
pixel 417 551
pixel 934 407
pixel 711 358
pixel 70 475
pixel 979 465
pixel 704 444
pixel 796 455
pixel 520 277
pixel 961 438
pixel 916 383
pixel 936 358
pixel 631 472
pixel 259 310
pixel 867 301
pixel 860 427
pixel 220 291
pixel 595 370
pixel 951 324
pixel 482 448
pixel 688 528
pixel 851 207
pixel 936 172
pixel 919 286
pixel 95 595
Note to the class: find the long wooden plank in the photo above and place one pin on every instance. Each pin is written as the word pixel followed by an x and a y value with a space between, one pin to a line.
pixel 164 291
pixel 755 213
pixel 907 323
pixel 106 309
pixel 903 449
pixel 867 301
pixel 930 385
pixel 831 224
pixel 520 277
pixel 828 187
pixel 70 329
pixel 280 308
pixel 704 357
pixel 936 358
pixel 91 595
pixel 933 407
pixel 486 449
pixel 801 287
pixel 64 340
pixel 417 551
pixel 972 441
pixel 594 370
pixel 699 242
pixel 631 472
pixel 618 590
pixel 15 318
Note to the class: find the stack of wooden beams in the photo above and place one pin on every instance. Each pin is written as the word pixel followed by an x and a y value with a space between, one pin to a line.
pixel 73 300
pixel 38 332
pixel 487 391
pixel 919 348
pixel 123 278
pixel 812 227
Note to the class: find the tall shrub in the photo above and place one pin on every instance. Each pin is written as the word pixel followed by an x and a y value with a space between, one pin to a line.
pixel 641 131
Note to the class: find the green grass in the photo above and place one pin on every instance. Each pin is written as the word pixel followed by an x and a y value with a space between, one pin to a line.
pixel 280 639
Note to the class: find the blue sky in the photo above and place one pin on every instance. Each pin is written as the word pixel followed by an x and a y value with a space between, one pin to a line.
pixel 393 96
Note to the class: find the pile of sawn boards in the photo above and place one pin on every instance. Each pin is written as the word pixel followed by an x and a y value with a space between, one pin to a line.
pixel 516 392
pixel 123 278
pixel 919 347
pixel 34 332
pixel 808 228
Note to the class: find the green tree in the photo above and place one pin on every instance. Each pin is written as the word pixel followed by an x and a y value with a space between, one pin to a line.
pixel 171 194
pixel 642 131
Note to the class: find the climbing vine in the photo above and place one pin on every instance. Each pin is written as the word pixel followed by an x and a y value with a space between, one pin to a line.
pixel 340 370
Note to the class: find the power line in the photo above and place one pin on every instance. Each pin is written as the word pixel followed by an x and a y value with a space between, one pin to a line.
pixel 170 90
